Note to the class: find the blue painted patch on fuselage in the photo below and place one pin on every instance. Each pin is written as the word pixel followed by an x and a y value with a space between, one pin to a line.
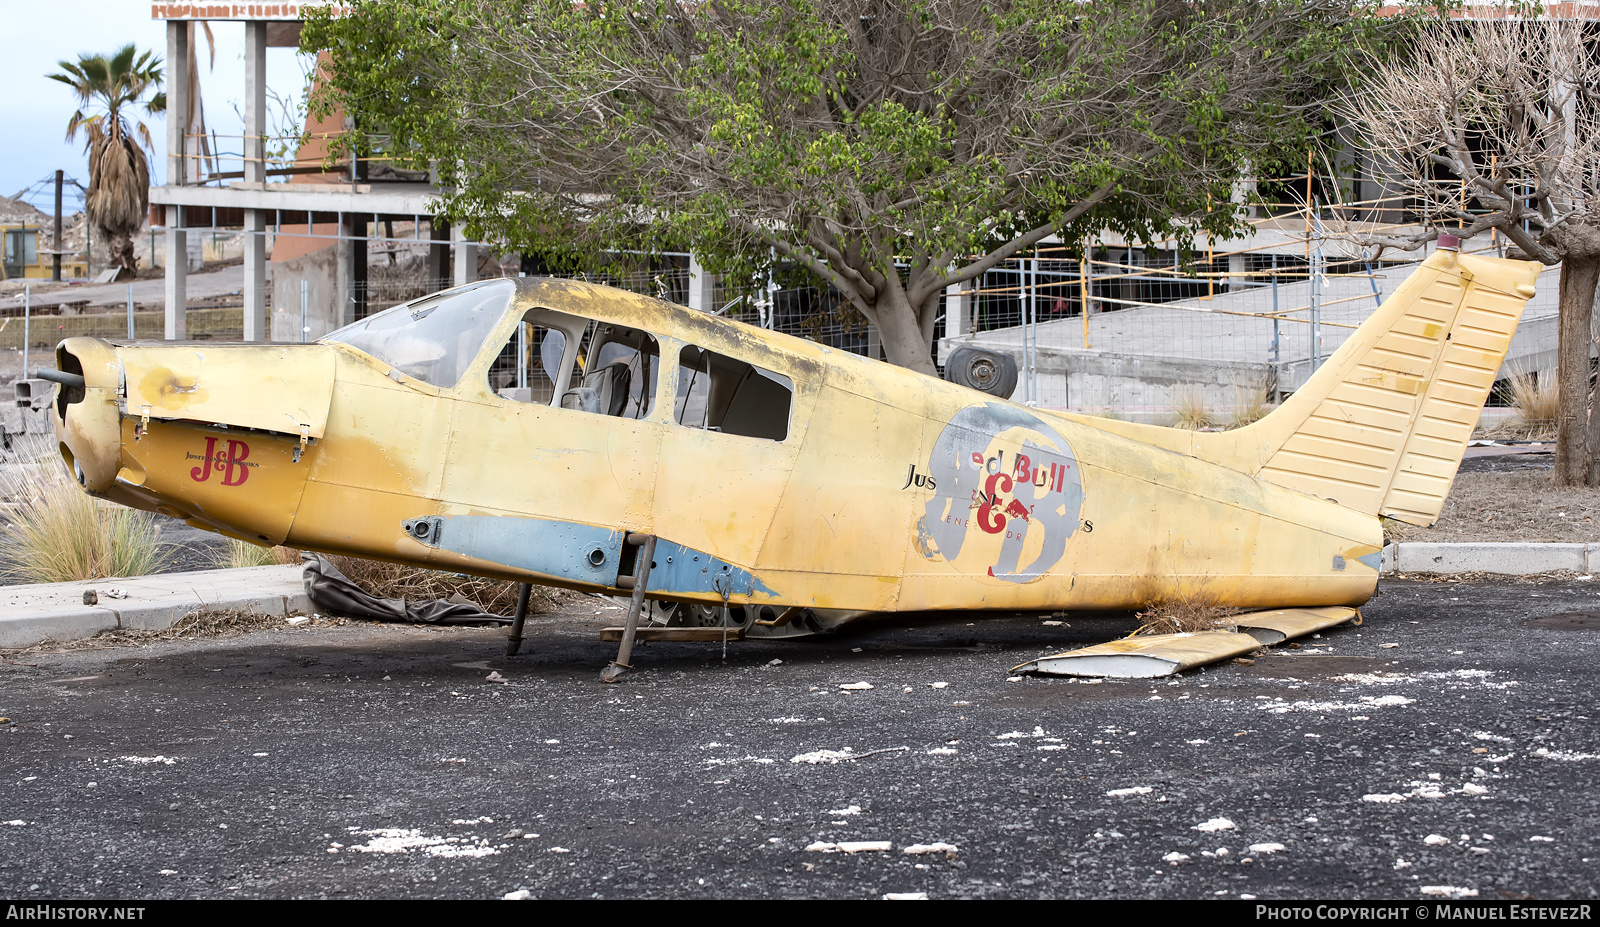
pixel 581 553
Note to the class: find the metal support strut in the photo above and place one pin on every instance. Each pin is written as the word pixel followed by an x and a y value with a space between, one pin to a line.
pixel 514 642
pixel 639 580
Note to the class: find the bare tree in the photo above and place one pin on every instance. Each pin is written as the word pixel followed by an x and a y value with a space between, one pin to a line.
pixel 1495 124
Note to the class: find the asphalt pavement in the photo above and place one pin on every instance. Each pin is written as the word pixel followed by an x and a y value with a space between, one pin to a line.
pixel 1443 748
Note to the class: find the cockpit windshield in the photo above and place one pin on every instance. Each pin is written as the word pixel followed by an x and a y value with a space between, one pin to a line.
pixel 434 338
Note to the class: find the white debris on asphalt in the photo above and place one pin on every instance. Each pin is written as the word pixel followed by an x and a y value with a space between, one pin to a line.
pixel 851 846
pixel 495 676
pixel 1214 825
pixel 1281 707
pixel 1565 756
pixel 1435 840
pixel 1264 848
pixel 941 751
pixel 856 686
pixel 17 823
pixel 786 720
pixel 1175 857
pixel 853 809
pixel 401 840
pixel 1449 891
pixel 817 757
pixel 1019 735
pixel 937 685
pixel 1384 798
pixel 147 760
pixel 1134 790
pixel 919 849
pixel 297 620
pixel 559 850
pixel 905 896
pixel 1387 646
pixel 1401 864
pixel 520 894
pixel 1540 839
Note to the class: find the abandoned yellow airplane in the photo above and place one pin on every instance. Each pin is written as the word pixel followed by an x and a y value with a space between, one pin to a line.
pixel 555 432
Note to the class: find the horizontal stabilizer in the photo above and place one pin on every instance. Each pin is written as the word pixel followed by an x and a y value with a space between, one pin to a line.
pixel 1150 655
pixel 1279 625
pixel 1145 656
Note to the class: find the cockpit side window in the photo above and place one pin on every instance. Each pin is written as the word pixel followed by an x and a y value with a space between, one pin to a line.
pixel 529 366
pixel 721 393
pixel 435 338
pixel 616 374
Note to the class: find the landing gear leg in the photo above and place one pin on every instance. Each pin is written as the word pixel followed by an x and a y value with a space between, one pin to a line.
pixel 514 642
pixel 639 580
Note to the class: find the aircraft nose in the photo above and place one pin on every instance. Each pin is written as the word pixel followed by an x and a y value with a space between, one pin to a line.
pixel 87 423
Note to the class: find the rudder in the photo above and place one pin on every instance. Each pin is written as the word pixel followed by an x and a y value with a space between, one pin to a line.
pixel 1381 428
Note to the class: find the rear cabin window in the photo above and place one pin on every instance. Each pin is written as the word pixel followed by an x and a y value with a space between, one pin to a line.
pixel 615 373
pixel 721 393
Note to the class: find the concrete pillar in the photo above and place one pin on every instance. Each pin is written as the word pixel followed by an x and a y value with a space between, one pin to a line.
pixel 255 275
pixel 957 309
pixel 438 251
pixel 344 292
pixel 255 102
pixel 177 291
pixel 702 287
pixel 1238 267
pixel 466 262
pixel 177 85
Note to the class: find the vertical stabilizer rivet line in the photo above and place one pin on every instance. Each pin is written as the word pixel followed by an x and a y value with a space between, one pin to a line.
pixel 641 577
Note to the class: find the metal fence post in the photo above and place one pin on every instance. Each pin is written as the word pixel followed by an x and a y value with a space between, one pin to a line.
pixel 305 310
pixel 27 315
pixel 131 335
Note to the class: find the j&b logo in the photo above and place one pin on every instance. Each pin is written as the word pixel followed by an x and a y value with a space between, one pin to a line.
pixel 231 463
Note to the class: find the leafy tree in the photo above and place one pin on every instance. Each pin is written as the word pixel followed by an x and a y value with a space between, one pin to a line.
pixel 118 198
pixel 890 147
pixel 1495 124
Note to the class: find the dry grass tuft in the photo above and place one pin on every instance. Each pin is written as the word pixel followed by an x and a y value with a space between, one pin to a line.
pixel 220 622
pixel 1191 410
pixel 198 625
pixel 1186 616
pixel 235 553
pixel 1535 404
pixel 393 581
pixel 55 532
pixel 1249 404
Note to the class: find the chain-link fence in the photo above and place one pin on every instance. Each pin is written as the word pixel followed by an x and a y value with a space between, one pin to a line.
pixel 1213 334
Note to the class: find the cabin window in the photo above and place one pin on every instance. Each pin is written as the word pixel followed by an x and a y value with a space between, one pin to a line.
pixel 615 373
pixel 435 338
pixel 528 367
pixel 720 393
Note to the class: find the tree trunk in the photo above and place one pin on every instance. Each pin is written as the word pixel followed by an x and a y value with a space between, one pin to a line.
pixel 901 332
pixel 1594 407
pixel 1579 274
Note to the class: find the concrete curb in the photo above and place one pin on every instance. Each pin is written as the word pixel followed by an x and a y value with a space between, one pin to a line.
pixel 39 612
pixel 1508 559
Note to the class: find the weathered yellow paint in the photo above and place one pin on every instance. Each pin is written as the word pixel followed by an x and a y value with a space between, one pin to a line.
pixel 892 491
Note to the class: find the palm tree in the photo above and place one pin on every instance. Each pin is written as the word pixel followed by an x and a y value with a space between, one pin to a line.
pixel 119 173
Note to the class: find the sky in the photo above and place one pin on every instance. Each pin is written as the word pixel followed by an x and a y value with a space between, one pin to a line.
pixel 36 34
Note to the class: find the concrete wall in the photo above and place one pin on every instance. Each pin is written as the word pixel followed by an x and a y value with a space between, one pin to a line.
pixel 326 273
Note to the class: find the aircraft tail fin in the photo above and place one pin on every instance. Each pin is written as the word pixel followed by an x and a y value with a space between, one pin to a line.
pixel 1382 426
